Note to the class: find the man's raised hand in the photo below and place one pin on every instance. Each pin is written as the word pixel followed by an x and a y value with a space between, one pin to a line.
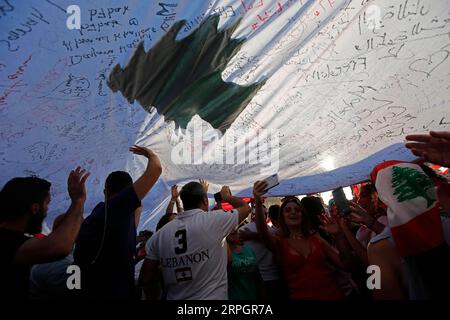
pixel 174 192
pixel 76 184
pixel 149 154
pixel 142 151
pixel 205 184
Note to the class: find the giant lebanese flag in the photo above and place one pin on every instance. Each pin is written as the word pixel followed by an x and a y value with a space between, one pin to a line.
pixel 412 206
pixel 318 91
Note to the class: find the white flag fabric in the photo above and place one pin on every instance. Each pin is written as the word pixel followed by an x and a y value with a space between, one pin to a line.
pixel 228 90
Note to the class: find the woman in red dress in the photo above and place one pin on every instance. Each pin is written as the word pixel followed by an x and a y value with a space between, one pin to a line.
pixel 305 258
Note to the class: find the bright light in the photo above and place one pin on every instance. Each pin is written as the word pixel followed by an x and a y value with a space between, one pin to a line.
pixel 328 164
pixel 348 193
pixel 327 195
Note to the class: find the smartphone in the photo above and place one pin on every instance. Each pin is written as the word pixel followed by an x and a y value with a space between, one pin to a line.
pixel 341 201
pixel 218 197
pixel 271 181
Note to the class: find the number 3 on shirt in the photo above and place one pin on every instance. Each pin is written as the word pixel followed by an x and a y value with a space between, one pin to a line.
pixel 181 236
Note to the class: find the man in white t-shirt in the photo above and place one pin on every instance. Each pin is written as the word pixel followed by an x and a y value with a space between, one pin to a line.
pixel 191 249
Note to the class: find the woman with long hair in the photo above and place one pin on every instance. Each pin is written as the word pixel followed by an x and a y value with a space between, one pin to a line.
pixel 304 257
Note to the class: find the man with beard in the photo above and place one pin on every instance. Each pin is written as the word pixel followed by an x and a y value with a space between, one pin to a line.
pixel 23 206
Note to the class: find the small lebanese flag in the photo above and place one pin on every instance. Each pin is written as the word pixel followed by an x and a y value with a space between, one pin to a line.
pixel 183 274
pixel 439 169
pixel 412 206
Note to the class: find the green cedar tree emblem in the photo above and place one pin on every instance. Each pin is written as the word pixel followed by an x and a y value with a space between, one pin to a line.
pixel 409 184
pixel 184 78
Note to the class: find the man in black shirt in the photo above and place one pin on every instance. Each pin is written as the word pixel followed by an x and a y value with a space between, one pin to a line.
pixel 106 246
pixel 23 207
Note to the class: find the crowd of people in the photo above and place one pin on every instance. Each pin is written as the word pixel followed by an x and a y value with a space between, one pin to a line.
pixel 392 244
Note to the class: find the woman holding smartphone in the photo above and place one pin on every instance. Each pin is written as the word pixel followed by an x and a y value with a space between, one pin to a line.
pixel 304 257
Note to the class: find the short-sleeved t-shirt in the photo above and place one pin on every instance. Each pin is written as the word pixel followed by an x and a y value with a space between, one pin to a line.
pixel 243 275
pixel 192 253
pixel 14 279
pixel 112 273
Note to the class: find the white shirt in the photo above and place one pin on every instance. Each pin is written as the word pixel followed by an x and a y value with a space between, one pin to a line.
pixel 192 253
pixel 264 257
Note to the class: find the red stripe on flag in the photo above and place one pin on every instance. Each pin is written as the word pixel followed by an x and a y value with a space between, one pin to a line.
pixel 421 234
pixel 227 206
pixel 381 166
